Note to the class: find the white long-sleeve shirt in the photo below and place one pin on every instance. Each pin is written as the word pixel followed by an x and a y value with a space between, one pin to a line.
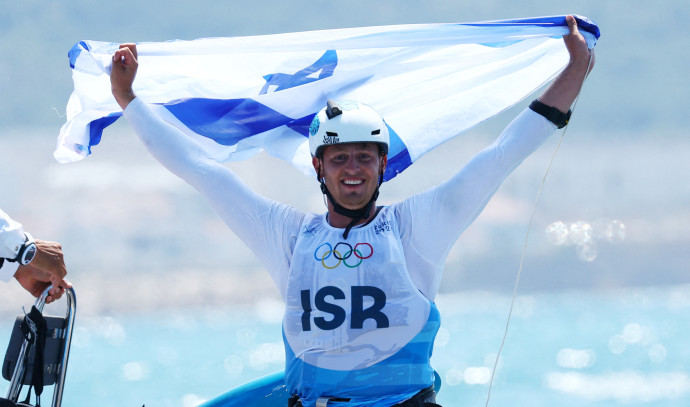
pixel 11 240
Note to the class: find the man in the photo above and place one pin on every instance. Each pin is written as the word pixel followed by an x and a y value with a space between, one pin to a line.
pixel 358 281
pixel 36 264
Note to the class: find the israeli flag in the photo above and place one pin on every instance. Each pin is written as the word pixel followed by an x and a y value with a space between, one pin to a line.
pixel 239 95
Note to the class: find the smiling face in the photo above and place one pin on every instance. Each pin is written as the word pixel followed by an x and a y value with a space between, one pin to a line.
pixel 351 172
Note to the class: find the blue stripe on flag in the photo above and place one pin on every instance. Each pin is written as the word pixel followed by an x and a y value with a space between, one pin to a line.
pixel 226 121
pixel 301 125
pixel 398 156
pixel 74 52
pixel 588 25
pixel 96 128
pixel 583 23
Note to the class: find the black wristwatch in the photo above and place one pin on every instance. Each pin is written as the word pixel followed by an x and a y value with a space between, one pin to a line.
pixel 552 114
pixel 27 252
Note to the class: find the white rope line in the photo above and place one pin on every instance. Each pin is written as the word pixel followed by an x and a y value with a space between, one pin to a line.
pixel 524 246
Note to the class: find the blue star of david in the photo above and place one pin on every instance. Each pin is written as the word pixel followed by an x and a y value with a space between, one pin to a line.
pixel 324 66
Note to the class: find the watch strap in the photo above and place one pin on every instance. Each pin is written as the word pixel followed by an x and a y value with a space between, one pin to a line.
pixel 552 114
pixel 28 243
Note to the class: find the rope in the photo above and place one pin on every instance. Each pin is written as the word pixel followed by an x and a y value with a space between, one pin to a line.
pixel 524 246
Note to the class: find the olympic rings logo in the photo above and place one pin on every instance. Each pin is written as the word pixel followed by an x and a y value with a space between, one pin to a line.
pixel 341 253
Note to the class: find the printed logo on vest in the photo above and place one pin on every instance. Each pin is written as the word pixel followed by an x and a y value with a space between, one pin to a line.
pixel 343 253
pixel 381 227
pixel 358 315
pixel 310 232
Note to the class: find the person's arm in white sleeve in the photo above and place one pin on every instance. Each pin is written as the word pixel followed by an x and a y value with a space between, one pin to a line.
pixel 45 268
pixel 435 219
pixel 11 240
pixel 253 218
pixel 262 224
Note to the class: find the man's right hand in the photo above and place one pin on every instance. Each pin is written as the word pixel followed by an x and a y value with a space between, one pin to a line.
pixel 564 89
pixel 122 74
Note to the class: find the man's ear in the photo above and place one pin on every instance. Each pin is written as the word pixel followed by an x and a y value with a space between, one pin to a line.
pixel 384 163
pixel 317 167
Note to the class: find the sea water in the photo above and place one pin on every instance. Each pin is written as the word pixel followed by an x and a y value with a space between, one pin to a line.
pixel 572 348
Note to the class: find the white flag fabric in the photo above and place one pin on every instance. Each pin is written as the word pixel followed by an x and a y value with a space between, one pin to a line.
pixel 239 95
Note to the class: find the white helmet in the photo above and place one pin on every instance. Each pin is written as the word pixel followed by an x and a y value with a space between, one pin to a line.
pixel 347 122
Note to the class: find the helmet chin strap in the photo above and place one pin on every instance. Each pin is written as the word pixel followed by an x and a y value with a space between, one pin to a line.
pixel 355 214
